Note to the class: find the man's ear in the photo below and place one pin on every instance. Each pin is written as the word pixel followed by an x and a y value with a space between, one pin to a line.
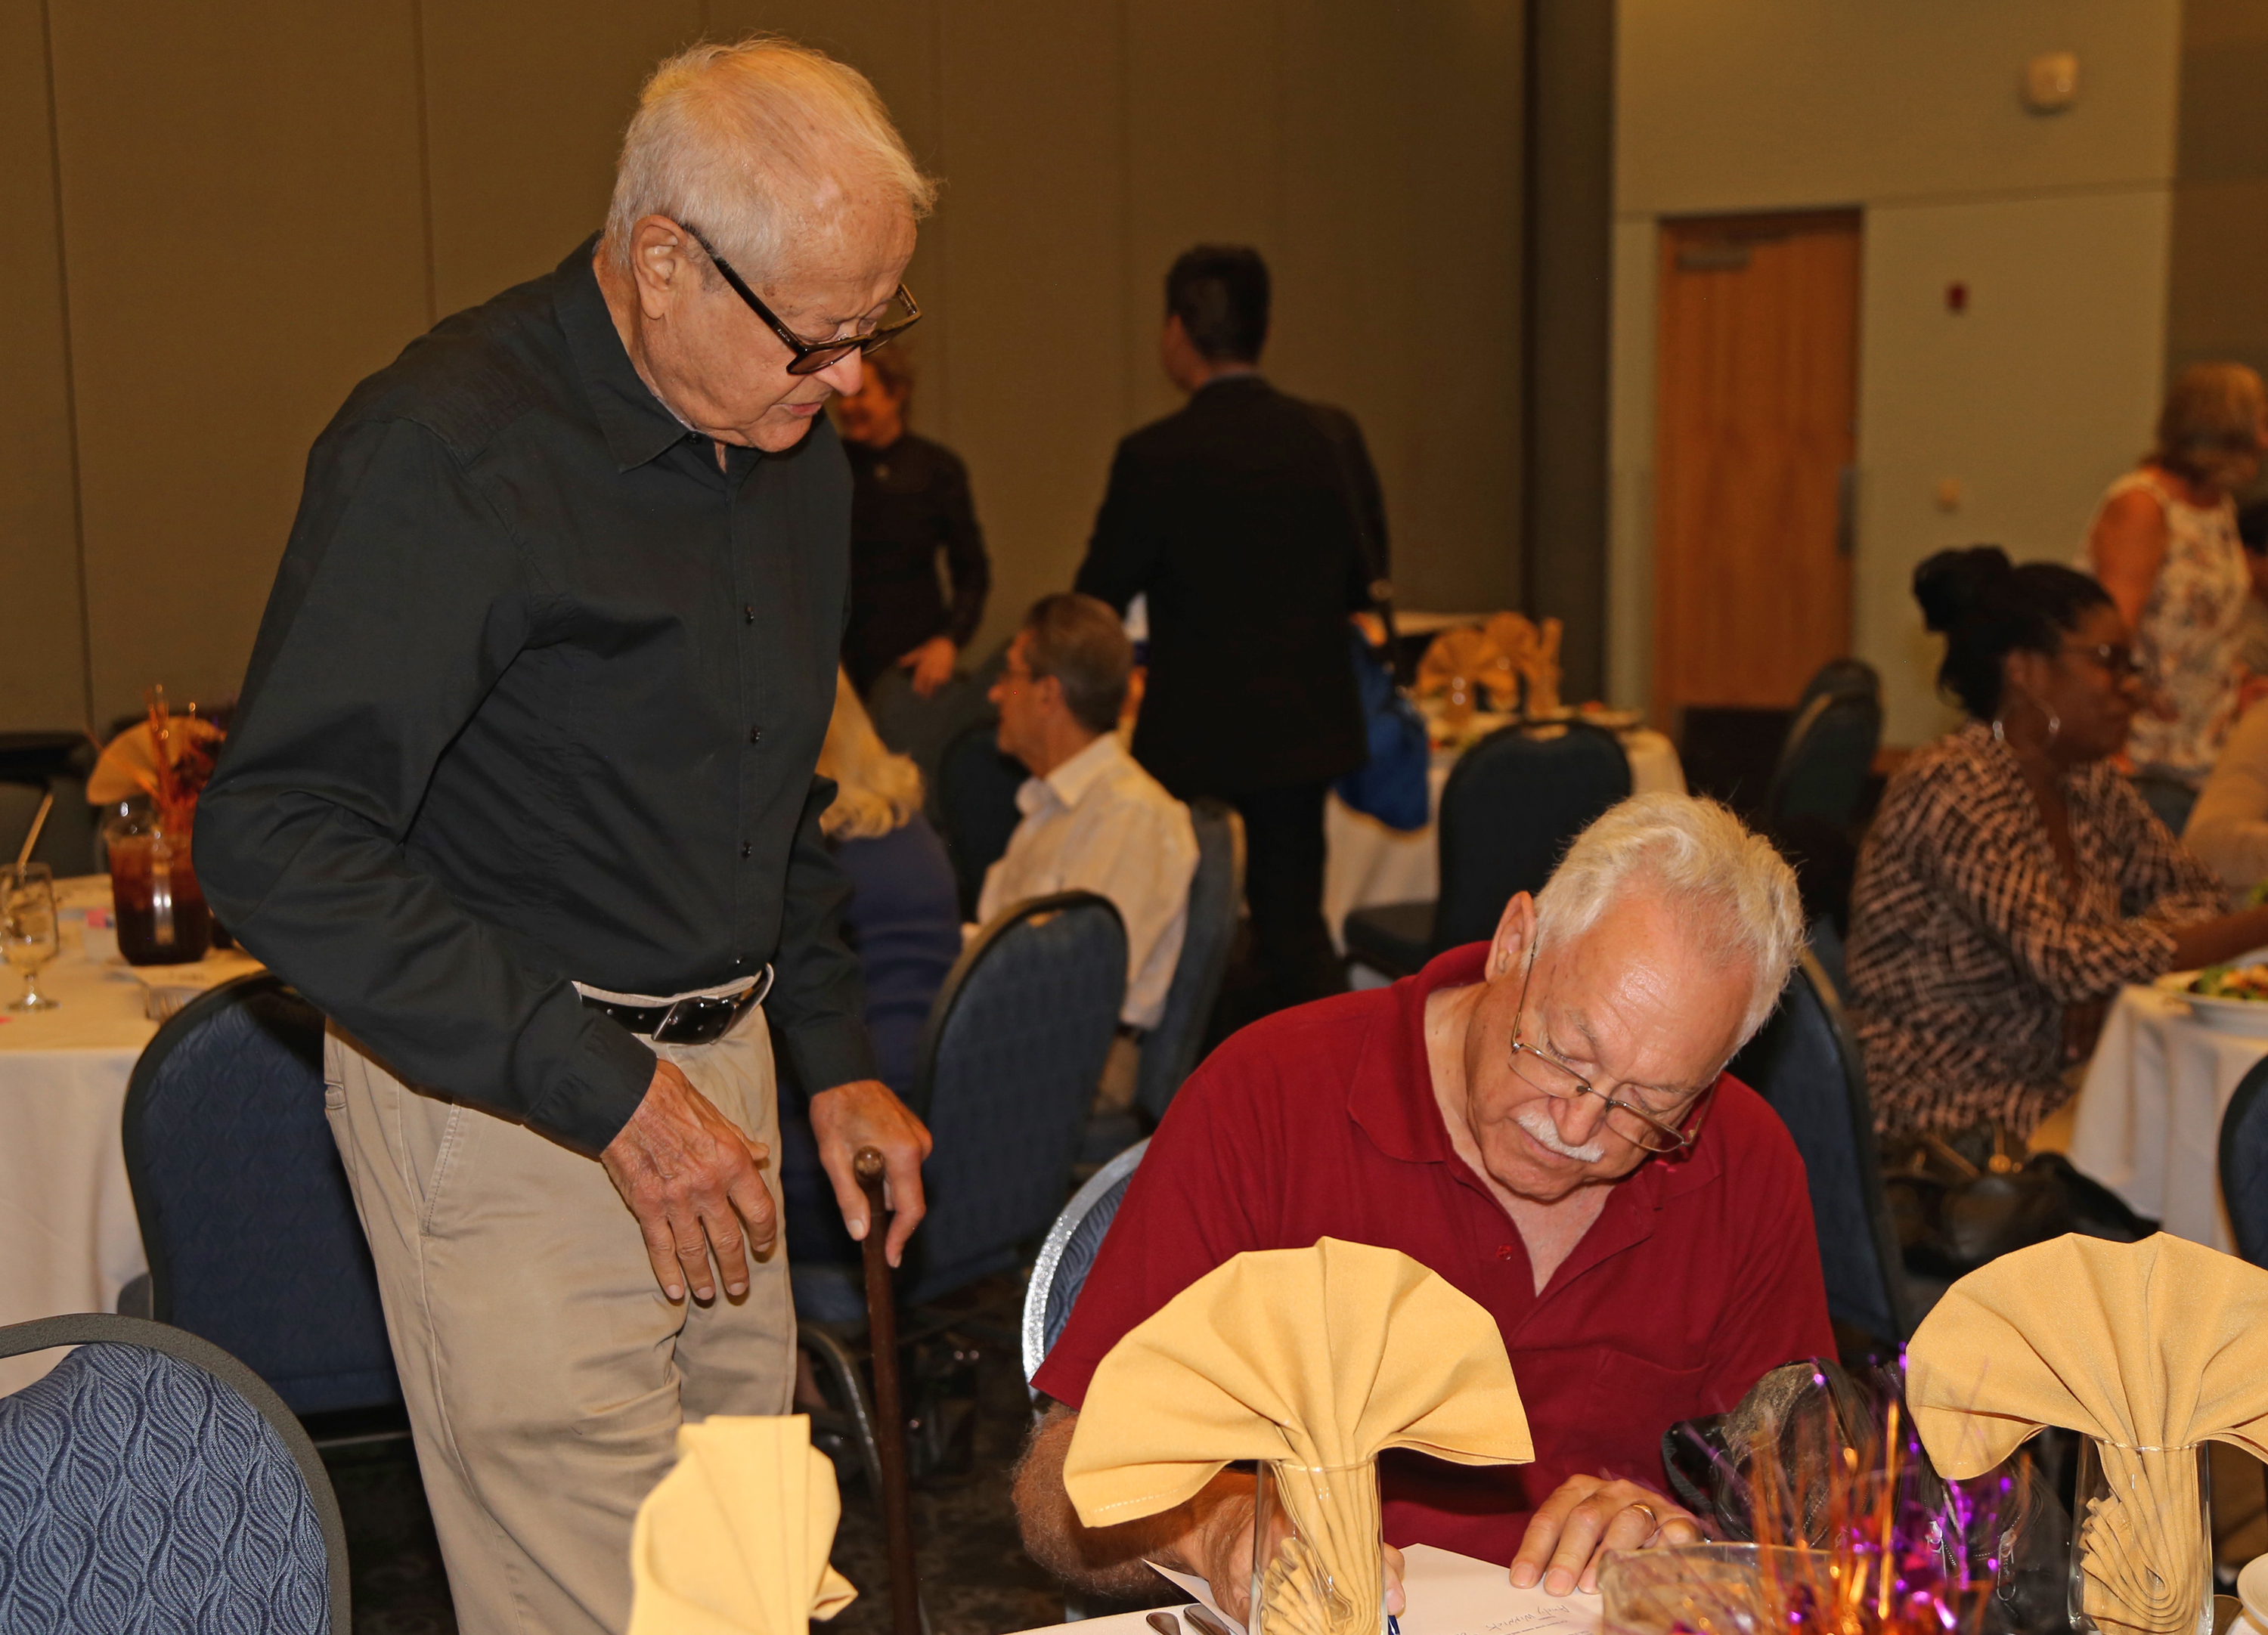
pixel 1515 941
pixel 662 264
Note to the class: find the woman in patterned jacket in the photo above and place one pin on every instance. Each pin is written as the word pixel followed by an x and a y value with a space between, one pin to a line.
pixel 2014 880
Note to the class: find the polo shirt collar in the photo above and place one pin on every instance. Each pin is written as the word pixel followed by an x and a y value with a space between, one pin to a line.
pixel 635 424
pixel 1069 782
pixel 1392 1099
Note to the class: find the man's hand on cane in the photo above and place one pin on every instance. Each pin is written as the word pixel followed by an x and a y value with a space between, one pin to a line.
pixel 864 1113
pixel 690 1177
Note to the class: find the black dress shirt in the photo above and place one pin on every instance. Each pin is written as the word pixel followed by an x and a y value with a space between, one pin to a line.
pixel 1238 518
pixel 908 501
pixel 537 696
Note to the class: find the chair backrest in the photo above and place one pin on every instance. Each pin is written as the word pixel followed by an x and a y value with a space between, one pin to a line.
pixel 151 1481
pixel 1806 1064
pixel 1170 1050
pixel 1007 1068
pixel 1821 775
pixel 246 1216
pixel 976 790
pixel 1067 1254
pixel 1512 804
pixel 2244 1163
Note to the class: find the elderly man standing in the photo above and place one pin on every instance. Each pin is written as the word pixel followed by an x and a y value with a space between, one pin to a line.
pixel 521 795
pixel 1543 1120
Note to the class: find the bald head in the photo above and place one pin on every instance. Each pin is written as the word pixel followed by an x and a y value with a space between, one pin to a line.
pixel 781 157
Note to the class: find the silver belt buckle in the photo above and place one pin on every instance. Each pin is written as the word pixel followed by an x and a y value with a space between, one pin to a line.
pixel 733 1003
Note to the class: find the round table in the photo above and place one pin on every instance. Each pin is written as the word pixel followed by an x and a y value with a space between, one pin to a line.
pixel 1366 863
pixel 2148 1120
pixel 72 1237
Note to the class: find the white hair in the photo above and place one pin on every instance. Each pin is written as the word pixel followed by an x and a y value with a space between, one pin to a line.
pixel 757 146
pixel 1726 881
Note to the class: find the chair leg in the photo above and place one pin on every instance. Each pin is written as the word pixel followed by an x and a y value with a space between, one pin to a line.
pixel 844 1365
pixel 838 1361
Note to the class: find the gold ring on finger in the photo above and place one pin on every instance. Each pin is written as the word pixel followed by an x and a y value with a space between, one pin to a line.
pixel 1648 1512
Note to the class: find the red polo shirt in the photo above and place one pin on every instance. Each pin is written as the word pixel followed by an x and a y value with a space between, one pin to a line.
pixel 1698 1275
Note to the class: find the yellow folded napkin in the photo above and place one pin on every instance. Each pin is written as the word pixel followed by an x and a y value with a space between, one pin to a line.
pixel 1467 653
pixel 735 1541
pixel 2146 1346
pixel 1322 1356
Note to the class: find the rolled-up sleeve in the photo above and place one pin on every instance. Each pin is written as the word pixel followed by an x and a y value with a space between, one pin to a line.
pixel 402 599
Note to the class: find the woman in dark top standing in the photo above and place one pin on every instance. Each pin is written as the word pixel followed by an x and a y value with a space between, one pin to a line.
pixel 910 500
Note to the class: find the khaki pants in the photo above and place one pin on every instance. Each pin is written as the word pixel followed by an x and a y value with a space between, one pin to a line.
pixel 545 1373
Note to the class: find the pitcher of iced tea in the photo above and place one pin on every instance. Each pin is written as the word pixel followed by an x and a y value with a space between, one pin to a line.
pixel 162 917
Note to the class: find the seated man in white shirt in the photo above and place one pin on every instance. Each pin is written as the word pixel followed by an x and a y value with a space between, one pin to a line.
pixel 1094 820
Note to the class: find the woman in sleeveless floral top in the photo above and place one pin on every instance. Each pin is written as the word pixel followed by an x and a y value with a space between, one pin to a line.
pixel 2164 544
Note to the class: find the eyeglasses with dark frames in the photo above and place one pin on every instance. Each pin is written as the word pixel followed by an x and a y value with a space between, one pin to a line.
pixel 1640 1126
pixel 810 356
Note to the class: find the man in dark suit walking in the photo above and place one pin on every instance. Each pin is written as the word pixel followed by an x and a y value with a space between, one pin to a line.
pixel 1253 523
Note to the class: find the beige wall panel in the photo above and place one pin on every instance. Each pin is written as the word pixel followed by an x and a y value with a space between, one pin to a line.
pixel 2217 300
pixel 1205 134
pixel 1035 273
pixel 2032 400
pixel 240 203
pixel 526 101
pixel 1401 216
pixel 43 657
pixel 1770 104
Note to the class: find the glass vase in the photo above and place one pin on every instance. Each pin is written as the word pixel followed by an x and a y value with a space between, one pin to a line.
pixel 2141 1540
pixel 162 917
pixel 1317 1551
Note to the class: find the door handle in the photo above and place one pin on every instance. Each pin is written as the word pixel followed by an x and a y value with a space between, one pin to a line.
pixel 1846 510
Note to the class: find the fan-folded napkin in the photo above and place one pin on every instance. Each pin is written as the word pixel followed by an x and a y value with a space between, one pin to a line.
pixel 735 1541
pixel 2153 1345
pixel 1322 1356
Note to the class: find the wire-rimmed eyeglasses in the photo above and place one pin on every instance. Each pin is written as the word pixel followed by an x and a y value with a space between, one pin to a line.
pixel 1654 1129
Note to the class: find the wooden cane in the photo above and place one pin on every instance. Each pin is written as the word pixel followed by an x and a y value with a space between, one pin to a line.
pixel 889 1408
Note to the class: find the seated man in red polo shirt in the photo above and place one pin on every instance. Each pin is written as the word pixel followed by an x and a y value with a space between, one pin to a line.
pixel 1545 1122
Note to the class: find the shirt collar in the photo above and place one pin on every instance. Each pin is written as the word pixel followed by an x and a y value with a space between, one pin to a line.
pixel 1069 782
pixel 637 424
pixel 1392 1096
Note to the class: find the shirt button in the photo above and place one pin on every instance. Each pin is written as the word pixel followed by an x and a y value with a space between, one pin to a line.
pixel 756 734
pixel 739 960
pixel 749 613
pixel 746 848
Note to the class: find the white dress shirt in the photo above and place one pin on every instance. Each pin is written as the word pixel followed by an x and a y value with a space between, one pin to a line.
pixel 1099 823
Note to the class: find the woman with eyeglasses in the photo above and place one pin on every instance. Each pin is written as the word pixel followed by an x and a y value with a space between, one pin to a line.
pixel 2014 880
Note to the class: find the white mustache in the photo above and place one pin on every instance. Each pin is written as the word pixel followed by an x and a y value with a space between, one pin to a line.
pixel 1537 1122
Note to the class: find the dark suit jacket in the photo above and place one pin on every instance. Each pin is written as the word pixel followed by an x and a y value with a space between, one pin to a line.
pixel 1235 517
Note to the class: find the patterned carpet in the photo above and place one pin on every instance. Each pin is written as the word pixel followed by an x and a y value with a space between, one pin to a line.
pixel 975 1575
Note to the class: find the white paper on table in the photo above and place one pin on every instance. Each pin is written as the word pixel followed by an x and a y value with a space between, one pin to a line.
pixel 1453 1594
pixel 221 965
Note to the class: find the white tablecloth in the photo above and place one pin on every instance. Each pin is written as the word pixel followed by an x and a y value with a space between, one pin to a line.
pixel 69 1240
pixel 1368 863
pixel 2147 1125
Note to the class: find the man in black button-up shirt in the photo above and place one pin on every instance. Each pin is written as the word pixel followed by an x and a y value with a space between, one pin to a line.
pixel 535 706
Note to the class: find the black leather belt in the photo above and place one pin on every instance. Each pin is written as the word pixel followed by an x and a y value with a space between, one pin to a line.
pixel 687 1021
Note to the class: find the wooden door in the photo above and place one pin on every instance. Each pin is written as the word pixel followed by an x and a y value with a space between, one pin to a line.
pixel 1754 437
